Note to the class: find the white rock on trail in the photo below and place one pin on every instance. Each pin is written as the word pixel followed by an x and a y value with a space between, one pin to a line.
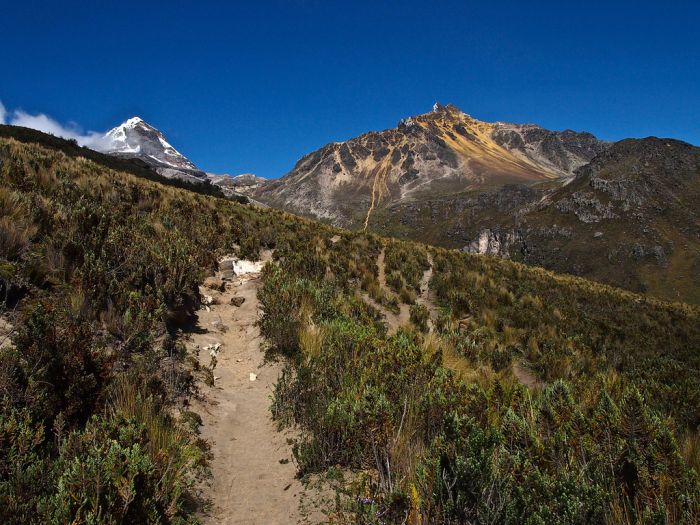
pixel 243 266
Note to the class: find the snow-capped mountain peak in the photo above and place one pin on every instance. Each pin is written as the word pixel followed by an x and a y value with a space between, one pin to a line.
pixel 136 138
pixel 133 121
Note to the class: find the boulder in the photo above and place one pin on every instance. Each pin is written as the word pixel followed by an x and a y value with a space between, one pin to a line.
pixel 237 301
pixel 228 275
pixel 226 264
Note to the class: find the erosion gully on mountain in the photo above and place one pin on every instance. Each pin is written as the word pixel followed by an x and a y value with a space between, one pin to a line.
pixel 253 478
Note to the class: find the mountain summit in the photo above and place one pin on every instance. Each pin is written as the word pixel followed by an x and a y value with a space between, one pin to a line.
pixel 135 138
pixel 441 152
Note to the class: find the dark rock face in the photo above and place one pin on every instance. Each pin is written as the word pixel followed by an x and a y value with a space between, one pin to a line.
pixel 655 252
pixel 565 150
pixel 628 215
pixel 586 207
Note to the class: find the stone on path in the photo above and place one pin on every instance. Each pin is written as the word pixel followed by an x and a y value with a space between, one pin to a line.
pixel 237 301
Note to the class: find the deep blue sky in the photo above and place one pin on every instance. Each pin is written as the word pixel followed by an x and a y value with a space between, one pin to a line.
pixel 252 86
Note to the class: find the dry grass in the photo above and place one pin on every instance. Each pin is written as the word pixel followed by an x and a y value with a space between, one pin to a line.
pixel 690 447
pixel 16 225
pixel 311 339
pixel 164 436
pixel 407 448
pixel 453 360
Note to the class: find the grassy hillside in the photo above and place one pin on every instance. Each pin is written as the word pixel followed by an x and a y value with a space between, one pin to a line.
pixel 99 269
pixel 133 166
pixel 437 429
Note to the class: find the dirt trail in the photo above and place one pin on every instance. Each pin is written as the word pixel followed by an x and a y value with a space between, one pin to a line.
pixel 526 377
pixel 253 476
pixel 426 297
pixel 393 321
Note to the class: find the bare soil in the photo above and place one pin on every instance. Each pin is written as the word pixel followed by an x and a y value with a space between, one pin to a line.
pixel 526 377
pixel 253 476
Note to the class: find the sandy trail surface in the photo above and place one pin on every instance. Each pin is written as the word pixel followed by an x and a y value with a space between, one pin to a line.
pixel 393 321
pixel 253 477
pixel 427 296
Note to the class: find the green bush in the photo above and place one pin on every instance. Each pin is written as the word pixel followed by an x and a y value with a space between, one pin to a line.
pixel 444 451
pixel 109 466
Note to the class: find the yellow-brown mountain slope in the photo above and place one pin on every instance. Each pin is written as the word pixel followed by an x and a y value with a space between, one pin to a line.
pixel 438 153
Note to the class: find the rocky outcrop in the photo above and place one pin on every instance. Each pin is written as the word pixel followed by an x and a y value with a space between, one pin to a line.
pixel 494 242
pixel 657 253
pixel 563 151
pixel 586 207
pixel 244 184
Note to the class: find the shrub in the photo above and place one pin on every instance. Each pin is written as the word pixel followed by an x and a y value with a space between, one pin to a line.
pixel 420 316
pixel 118 480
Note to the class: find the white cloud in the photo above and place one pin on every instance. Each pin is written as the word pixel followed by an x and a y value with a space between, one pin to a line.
pixel 91 139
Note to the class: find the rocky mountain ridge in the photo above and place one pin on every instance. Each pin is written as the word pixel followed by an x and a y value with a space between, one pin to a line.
pixel 442 152
pixel 244 184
